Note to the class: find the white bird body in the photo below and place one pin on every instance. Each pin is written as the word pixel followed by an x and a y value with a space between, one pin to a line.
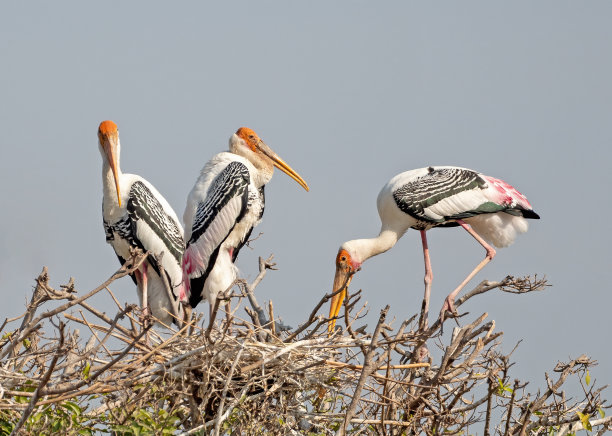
pixel 226 202
pixel 441 196
pixel 136 215
pixel 197 255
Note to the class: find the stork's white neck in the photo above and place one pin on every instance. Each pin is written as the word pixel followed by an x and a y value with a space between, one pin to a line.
pixel 263 176
pixel 362 249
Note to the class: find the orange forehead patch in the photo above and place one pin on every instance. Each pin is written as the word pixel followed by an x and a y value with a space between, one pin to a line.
pixel 343 257
pixel 107 128
pixel 245 133
pixel 249 136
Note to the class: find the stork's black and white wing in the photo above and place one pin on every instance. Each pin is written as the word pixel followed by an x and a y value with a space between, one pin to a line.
pixel 216 215
pixel 152 227
pixel 438 195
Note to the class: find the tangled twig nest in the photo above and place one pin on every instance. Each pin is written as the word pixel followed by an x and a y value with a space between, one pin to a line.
pixel 259 376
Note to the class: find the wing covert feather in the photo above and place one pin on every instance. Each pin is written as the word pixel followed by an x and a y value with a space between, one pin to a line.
pixel 144 208
pixel 215 217
pixel 441 194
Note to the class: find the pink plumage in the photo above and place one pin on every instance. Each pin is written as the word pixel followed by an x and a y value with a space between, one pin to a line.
pixel 509 195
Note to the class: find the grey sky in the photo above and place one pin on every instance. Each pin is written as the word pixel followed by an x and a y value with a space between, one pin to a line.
pixel 349 94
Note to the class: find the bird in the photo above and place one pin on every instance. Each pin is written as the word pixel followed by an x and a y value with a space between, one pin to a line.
pixel 489 209
pixel 225 204
pixel 136 215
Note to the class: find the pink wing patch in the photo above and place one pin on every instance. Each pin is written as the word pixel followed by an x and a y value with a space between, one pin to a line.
pixel 507 195
pixel 181 292
pixel 189 266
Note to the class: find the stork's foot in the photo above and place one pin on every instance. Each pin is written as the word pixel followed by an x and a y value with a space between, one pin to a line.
pixel 187 316
pixel 448 306
pixel 146 318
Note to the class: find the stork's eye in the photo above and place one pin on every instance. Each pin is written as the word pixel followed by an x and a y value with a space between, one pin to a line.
pixel 251 136
pixel 343 258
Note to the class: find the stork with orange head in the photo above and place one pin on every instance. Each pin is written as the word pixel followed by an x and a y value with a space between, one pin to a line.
pixel 489 209
pixel 136 215
pixel 225 204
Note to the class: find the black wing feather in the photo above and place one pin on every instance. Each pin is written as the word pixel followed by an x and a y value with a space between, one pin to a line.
pixel 414 197
pixel 143 205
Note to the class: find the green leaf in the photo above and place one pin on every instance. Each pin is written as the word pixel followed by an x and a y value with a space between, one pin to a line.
pixel 57 425
pixel 601 412
pixel 500 389
pixel 587 379
pixel 6 427
pixel 503 388
pixel 72 406
pixel 584 419
pixel 86 370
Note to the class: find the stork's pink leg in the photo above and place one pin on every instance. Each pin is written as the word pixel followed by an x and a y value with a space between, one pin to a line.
pixel 449 303
pixel 144 286
pixel 427 280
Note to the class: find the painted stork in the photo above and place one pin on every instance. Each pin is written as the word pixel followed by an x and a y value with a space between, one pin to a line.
pixel 135 214
pixel 489 209
pixel 226 202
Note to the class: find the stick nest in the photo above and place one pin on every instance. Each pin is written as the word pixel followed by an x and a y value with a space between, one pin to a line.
pixel 244 372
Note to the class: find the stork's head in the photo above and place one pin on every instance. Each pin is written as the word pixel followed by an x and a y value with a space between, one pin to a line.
pixel 246 143
pixel 108 135
pixel 347 264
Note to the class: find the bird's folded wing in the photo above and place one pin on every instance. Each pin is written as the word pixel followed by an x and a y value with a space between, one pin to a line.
pixel 225 204
pixel 154 229
pixel 444 194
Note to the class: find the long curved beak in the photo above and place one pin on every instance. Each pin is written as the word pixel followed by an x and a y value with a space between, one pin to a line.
pixel 281 164
pixel 110 148
pixel 342 279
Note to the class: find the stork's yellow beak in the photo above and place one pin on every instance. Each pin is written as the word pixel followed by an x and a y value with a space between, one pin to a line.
pixel 109 137
pixel 281 164
pixel 342 279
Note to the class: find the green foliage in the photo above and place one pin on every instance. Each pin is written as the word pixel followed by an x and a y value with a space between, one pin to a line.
pixel 145 422
pixel 71 419
pixel 62 418
pixel 8 419
pixel 584 419
pixel 501 388
pixel 86 370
